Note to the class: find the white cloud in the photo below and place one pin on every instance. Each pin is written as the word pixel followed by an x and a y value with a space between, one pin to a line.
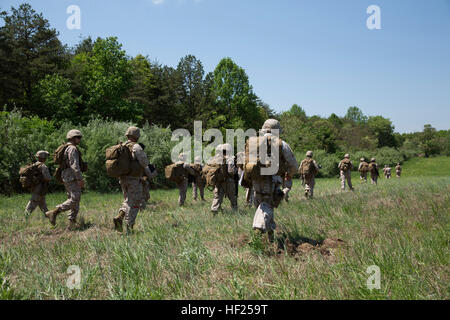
pixel 156 2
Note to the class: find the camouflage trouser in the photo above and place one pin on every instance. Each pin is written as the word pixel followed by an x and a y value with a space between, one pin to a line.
pixel 398 173
pixel 199 184
pixel 264 215
pixel 72 203
pixel 287 186
pixel 227 188
pixel 182 187
pixel 132 193
pixel 374 178
pixel 310 182
pixel 346 175
pixel 145 193
pixel 363 176
pixel 249 195
pixel 37 199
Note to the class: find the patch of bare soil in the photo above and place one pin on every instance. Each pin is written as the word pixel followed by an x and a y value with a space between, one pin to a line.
pixel 329 247
pixel 241 241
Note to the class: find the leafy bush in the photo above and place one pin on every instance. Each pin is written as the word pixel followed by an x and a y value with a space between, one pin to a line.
pixel 22 137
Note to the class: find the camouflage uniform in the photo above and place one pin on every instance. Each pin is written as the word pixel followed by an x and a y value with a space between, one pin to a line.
pixel 132 185
pixel 39 191
pixel 387 172
pixel 266 187
pixel 309 179
pixel 398 170
pixel 228 187
pixel 72 178
pixel 374 173
pixel 363 173
pixel 199 182
pixel 71 175
pixel 183 184
pixel 346 175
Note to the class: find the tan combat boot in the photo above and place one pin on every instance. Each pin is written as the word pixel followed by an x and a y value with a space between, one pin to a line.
pixel 51 215
pixel 118 221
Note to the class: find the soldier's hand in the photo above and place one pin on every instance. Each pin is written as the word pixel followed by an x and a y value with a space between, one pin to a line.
pixel 81 183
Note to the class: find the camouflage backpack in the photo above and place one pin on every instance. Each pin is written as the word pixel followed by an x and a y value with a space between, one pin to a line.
pixel 307 168
pixel 252 167
pixel 214 174
pixel 118 160
pixel 345 165
pixel 373 169
pixel 30 175
pixel 58 158
pixel 175 172
pixel 364 167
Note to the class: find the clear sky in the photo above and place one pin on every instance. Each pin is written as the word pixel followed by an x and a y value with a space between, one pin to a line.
pixel 316 53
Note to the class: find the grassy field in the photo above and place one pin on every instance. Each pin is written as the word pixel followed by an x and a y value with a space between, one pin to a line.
pixel 323 249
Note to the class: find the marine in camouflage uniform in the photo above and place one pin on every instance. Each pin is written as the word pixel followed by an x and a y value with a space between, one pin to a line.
pixel 310 179
pixel 398 170
pixel 346 175
pixel 374 174
pixel 73 181
pixel 387 172
pixel 267 188
pixel 363 169
pixel 39 191
pixel 199 182
pixel 184 182
pixel 227 188
pixel 131 184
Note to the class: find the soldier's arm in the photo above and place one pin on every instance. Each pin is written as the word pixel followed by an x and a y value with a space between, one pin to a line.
pixel 74 162
pixel 316 165
pixel 46 173
pixel 142 159
pixel 232 169
pixel 292 164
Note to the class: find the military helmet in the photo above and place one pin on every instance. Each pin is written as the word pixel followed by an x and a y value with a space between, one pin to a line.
pixel 309 154
pixel 42 154
pixel 271 124
pixel 372 160
pixel 73 133
pixel 133 131
pixel 398 163
pixel 347 156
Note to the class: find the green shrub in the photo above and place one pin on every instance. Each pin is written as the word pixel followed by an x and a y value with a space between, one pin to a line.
pixel 22 137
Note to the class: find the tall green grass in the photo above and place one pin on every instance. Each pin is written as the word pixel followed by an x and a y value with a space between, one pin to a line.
pixel 400 225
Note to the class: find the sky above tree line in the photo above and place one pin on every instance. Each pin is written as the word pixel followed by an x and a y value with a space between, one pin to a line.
pixel 317 54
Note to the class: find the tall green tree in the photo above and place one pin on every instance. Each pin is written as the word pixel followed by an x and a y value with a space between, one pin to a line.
pixel 191 73
pixel 29 50
pixel 106 79
pixel 236 103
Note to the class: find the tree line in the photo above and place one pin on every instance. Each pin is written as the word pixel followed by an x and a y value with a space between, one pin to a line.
pixel 97 79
